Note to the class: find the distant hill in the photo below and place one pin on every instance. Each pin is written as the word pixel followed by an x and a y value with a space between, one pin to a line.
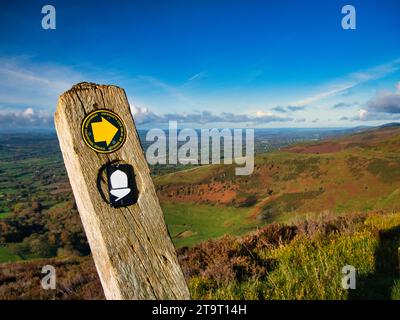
pixel 391 124
pixel 359 172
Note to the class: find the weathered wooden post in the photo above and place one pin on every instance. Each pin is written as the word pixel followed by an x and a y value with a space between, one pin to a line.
pixel 115 195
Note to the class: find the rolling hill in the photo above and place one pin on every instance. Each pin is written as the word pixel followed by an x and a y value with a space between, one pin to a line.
pixel 337 199
pixel 359 172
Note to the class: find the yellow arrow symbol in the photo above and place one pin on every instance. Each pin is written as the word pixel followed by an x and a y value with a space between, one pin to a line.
pixel 103 131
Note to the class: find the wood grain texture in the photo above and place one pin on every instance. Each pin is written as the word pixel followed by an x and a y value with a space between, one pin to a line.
pixel 131 247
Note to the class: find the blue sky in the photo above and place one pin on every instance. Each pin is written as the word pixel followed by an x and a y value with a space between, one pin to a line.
pixel 208 63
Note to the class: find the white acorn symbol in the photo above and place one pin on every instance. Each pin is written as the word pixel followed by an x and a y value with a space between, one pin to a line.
pixel 119 184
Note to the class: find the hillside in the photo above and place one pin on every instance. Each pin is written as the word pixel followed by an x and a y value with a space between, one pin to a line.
pixel 354 173
pixel 300 261
pixel 280 261
pixel 330 202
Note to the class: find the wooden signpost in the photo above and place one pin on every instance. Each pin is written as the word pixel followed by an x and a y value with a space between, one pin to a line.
pixel 115 195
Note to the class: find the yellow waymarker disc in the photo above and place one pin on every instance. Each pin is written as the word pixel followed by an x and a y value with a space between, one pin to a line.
pixel 103 131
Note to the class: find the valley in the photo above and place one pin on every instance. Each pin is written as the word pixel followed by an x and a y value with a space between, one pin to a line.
pixel 310 192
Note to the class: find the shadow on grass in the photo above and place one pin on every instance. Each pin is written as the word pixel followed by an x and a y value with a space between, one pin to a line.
pixel 378 285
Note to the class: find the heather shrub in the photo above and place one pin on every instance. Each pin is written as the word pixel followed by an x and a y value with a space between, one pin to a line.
pixel 222 261
pixel 76 279
pixel 302 261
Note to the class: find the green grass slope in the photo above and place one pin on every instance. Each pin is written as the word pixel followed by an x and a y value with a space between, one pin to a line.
pixel 305 263
pixel 6 255
pixel 355 173
pixel 188 224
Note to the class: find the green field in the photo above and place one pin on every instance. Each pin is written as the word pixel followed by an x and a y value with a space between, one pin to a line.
pixel 189 224
pixel 7 256
pixel 4 215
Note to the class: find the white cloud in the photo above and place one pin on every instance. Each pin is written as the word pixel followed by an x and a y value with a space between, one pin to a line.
pixel 261 113
pixel 385 105
pixel 27 90
pixel 28 112
pixel 385 102
pixel 142 115
pixel 362 113
pixel 23 118
pixel 365 115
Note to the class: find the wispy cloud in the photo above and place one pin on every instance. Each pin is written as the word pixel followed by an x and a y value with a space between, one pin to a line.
pixel 288 109
pixel 296 108
pixel 197 76
pixel 35 87
pixel 169 89
pixel 350 81
pixel 342 105
pixel 325 94
pixel 23 83
pixel 279 109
